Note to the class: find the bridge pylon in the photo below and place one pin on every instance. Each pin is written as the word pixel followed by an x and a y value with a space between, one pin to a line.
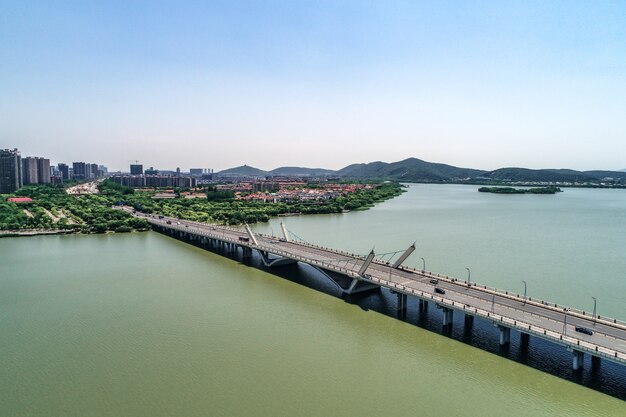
pixel 403 257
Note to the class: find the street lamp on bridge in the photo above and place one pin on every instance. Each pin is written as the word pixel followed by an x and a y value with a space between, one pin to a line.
pixel 594 310
pixel 423 265
pixel 468 276
pixel 524 291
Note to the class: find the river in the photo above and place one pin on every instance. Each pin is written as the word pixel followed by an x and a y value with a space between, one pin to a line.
pixel 144 325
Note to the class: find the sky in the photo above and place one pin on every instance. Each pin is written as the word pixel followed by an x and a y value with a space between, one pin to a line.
pixel 218 84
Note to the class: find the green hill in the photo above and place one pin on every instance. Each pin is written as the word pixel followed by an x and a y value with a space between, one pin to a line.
pixel 301 172
pixel 411 169
pixel 243 171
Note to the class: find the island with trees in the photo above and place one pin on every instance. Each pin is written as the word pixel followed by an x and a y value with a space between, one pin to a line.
pixel 511 190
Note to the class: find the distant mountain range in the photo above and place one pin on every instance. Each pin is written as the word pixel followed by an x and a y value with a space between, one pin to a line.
pixel 248 171
pixel 417 170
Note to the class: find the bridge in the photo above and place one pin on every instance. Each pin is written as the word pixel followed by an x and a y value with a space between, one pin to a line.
pixel 354 274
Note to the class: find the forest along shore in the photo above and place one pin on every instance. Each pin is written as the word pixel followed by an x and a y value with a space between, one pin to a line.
pixel 50 208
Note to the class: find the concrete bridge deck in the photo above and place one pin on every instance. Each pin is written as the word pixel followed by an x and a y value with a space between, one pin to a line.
pixel 506 311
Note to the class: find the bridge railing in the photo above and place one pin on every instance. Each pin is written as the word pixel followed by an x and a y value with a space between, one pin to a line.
pixel 529 300
pixel 520 325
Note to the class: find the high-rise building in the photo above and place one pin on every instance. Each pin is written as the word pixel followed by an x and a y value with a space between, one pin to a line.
pixel 94 171
pixel 43 171
pixel 65 171
pixel 30 170
pixel 136 169
pixel 80 170
pixel 35 170
pixel 10 170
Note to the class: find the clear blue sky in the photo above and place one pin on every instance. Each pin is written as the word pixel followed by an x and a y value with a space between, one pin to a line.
pixel 319 83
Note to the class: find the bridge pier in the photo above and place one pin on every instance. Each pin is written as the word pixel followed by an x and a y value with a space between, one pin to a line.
pixel 247 254
pixel 577 359
pixel 358 286
pixel 447 316
pixel 423 304
pixel 595 362
pixel 524 338
pixel 505 335
pixel 401 308
pixel 469 320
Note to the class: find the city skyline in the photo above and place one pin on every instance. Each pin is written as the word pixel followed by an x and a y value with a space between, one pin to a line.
pixel 482 86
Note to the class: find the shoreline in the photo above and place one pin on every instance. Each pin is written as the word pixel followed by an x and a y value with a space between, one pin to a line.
pixel 34 232
pixel 53 232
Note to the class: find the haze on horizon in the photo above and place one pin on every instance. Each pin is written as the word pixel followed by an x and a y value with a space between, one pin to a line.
pixel 318 84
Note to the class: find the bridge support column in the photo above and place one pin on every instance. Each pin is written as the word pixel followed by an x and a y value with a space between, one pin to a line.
pixel 595 362
pixel 524 338
pixel 247 254
pixel 423 304
pixel 359 286
pixel 577 360
pixel 469 319
pixel 402 305
pixel 447 316
pixel 505 335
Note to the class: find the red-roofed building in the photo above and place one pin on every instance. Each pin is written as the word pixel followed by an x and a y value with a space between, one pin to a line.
pixel 20 200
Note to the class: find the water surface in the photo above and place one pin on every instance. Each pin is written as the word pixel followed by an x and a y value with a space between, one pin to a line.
pixel 144 325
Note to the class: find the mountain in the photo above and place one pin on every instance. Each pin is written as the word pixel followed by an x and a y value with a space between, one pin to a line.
pixel 301 172
pixel 417 170
pixel 524 174
pixel 551 175
pixel 411 169
pixel 604 174
pixel 243 171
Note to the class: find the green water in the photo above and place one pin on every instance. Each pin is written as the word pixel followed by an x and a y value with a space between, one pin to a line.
pixel 144 325
pixel 568 247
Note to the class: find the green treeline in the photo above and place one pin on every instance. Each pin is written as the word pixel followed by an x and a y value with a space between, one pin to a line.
pixel 53 208
pixel 227 211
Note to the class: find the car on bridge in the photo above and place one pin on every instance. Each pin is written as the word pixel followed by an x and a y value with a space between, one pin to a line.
pixel 584 330
pixel 439 290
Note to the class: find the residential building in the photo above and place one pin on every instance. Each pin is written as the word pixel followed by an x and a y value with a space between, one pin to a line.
pixel 10 170
pixel 93 169
pixel 136 169
pixel 65 171
pixel 43 171
pixel 30 170
pixel 80 170
pixel 154 181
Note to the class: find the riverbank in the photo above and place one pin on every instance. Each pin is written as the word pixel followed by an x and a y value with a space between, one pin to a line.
pixel 34 232
pixel 52 232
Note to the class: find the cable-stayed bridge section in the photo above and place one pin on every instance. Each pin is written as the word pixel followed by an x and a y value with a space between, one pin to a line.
pixel 580 332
